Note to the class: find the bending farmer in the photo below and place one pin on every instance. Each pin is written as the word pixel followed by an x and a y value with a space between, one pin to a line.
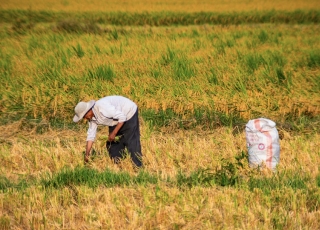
pixel 121 115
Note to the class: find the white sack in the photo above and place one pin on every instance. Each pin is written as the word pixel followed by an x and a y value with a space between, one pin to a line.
pixel 263 143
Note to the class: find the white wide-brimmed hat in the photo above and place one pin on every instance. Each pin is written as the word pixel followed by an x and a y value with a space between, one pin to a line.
pixel 81 109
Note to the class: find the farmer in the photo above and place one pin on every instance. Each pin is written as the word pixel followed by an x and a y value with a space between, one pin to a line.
pixel 121 115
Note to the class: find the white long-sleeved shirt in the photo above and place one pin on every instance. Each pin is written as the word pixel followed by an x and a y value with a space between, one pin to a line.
pixel 110 111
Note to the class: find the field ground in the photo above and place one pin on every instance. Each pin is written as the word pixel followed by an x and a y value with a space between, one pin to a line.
pixel 287 200
pixel 196 86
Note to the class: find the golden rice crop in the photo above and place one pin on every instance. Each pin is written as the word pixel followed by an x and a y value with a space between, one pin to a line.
pixel 182 74
pixel 164 5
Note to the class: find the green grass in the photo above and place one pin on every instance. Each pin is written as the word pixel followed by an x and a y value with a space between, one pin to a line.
pixel 78 50
pixel 296 181
pixel 314 58
pixel 231 173
pixel 199 117
pixel 7 185
pixel 182 68
pixel 24 19
pixel 103 72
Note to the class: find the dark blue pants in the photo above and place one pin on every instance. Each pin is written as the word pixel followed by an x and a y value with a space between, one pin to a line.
pixel 130 139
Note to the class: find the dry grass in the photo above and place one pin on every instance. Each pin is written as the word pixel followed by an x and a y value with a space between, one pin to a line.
pixel 164 5
pixel 153 206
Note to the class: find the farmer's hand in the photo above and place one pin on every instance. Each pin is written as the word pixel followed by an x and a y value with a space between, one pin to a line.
pixel 111 137
pixel 86 159
pixel 87 153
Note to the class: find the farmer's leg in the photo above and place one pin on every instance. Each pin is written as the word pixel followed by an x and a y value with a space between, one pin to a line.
pixel 131 131
pixel 115 149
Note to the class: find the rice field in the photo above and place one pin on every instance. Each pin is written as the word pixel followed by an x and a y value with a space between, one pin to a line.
pixel 197 83
pixel 158 6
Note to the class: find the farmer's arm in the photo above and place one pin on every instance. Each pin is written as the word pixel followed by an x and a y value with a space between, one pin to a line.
pixel 91 134
pixel 116 115
pixel 88 150
pixel 115 131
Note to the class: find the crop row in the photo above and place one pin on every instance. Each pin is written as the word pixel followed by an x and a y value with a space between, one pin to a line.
pixel 164 18
pixel 179 76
